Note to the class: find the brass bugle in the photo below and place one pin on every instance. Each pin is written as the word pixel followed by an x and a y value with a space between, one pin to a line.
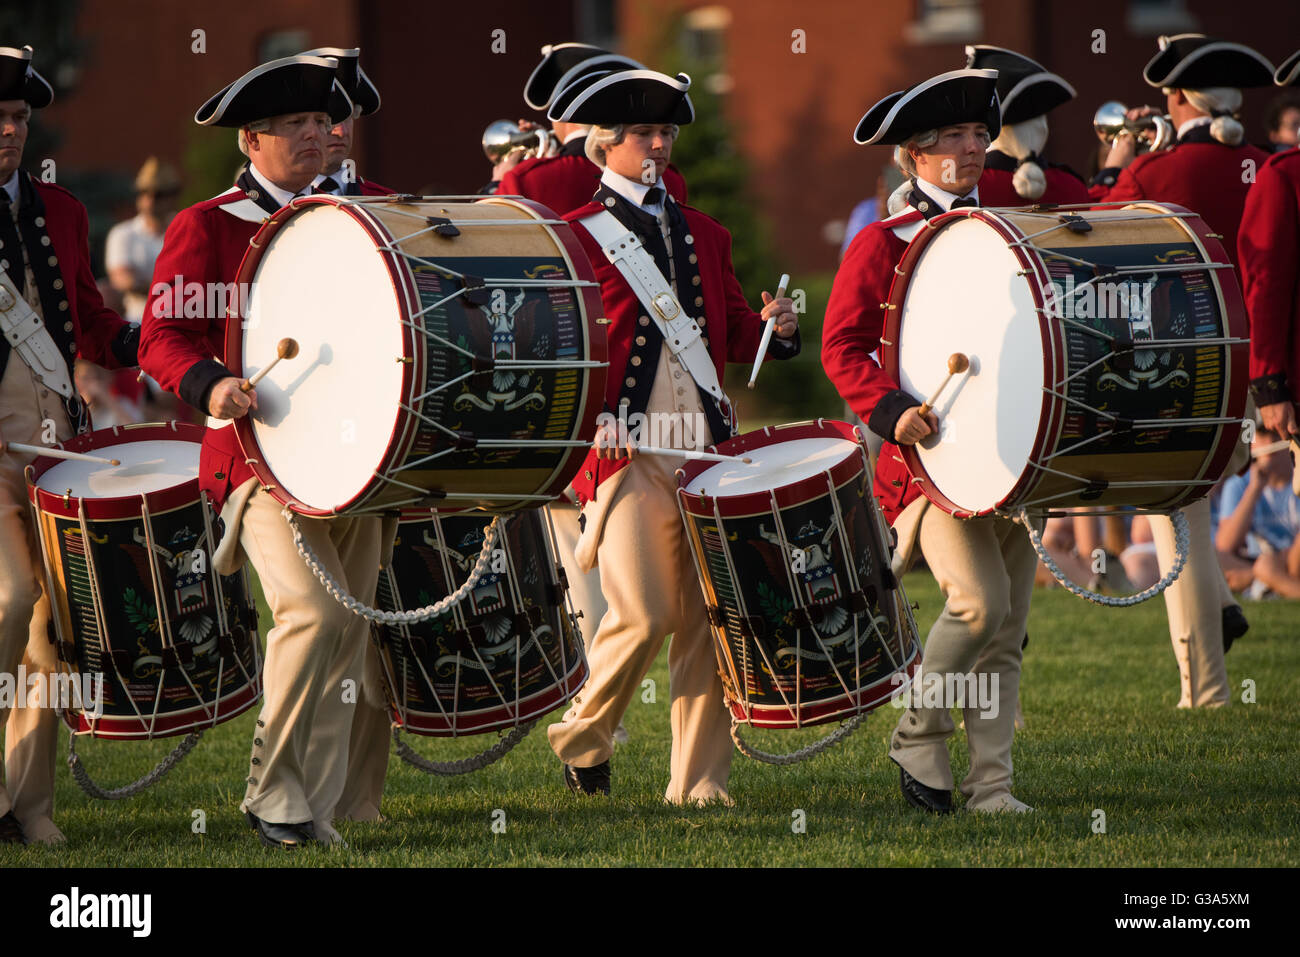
pixel 502 137
pixel 1111 119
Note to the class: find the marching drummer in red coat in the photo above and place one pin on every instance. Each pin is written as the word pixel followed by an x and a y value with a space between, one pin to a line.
pixel 283 111
pixel 1015 172
pixel 985 566
pixel 44 254
pixel 566 181
pixel 632 529
pixel 1209 170
pixel 1268 248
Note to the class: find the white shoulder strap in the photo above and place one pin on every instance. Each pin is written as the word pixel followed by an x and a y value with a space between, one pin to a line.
pixel 637 266
pixel 243 208
pixel 27 335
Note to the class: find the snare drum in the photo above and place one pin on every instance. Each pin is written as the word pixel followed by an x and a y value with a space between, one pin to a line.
pixel 448 354
pixel 128 561
pixel 810 624
pixel 504 655
pixel 1108 350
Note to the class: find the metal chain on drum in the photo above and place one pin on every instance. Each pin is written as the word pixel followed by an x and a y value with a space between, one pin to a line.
pixel 449 769
pixel 1182 542
pixel 82 776
pixel 803 754
pixel 360 608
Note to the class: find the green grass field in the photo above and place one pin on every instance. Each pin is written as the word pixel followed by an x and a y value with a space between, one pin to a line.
pixel 1178 788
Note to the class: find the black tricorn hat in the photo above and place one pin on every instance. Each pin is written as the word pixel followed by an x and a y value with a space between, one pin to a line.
pixel 562 63
pixel 1288 73
pixel 1193 61
pixel 626 96
pixel 960 96
pixel 293 84
pixel 360 89
pixel 18 81
pixel 1025 88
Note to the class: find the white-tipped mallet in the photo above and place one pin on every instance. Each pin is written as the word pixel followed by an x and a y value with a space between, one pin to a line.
pixel 284 349
pixel 767 331
pixel 957 364
pixel 56 453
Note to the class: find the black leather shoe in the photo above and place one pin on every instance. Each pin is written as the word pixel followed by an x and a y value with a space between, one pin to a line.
pixel 593 780
pixel 287 836
pixel 1234 625
pixel 11 832
pixel 920 795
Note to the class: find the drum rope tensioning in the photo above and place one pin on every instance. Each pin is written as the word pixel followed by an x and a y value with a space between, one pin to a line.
pixel 452 768
pixel 360 608
pixel 1182 539
pixel 803 754
pixel 87 784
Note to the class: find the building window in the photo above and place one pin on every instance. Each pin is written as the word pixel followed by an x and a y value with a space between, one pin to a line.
pixel 945 21
pixel 704 41
pixel 282 43
pixel 1149 18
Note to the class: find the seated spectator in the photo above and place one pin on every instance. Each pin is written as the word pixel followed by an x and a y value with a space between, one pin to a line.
pixel 1258 538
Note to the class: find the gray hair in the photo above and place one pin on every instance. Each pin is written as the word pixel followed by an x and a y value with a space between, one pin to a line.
pixel 257 126
pixel 1019 140
pixel 919 141
pixel 601 137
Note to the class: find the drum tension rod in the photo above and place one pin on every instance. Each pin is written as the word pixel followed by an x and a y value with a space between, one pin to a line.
pixel 465 441
pixel 1104 269
pixel 442 225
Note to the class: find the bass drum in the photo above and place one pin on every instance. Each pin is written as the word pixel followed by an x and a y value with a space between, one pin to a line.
pixel 1108 357
pixel 449 354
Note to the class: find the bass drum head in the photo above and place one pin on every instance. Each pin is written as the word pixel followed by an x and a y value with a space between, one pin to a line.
pixel 964 295
pixel 326 417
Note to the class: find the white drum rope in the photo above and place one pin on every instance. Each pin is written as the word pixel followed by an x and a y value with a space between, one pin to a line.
pixel 451 768
pixel 803 754
pixel 1182 541
pixel 440 607
pixel 82 776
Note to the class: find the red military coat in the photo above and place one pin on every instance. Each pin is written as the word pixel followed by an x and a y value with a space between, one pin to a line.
pixel 97 330
pixel 1210 179
pixel 1063 188
pixel 732 329
pixel 564 183
pixel 186 354
pixel 1268 250
pixel 851 333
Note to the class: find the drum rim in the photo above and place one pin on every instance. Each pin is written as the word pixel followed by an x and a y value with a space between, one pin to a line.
pixel 787 496
pixel 113 507
pixel 171 723
pixel 405 425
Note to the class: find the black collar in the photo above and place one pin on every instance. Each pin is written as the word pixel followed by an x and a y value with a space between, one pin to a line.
pixel 1199 134
pixel 996 159
pixel 253 190
pixel 575 147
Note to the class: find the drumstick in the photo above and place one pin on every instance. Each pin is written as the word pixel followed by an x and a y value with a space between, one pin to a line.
pixel 1269 449
pixel 693 455
pixel 56 453
pixel 284 349
pixel 767 331
pixel 957 362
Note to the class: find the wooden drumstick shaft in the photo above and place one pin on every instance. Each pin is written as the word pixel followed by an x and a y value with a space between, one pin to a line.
pixel 957 363
pixel 285 349
pixel 1270 448
pixel 693 455
pixel 767 331
pixel 56 453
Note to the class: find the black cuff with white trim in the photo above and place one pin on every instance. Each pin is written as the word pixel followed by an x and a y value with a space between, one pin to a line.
pixel 778 348
pixel 884 417
pixel 1107 176
pixel 196 385
pixel 1270 389
pixel 126 344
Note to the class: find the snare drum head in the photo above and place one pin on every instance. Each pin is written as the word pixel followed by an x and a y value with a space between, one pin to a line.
pixel 771 466
pixel 149 466
pixel 990 418
pixel 325 418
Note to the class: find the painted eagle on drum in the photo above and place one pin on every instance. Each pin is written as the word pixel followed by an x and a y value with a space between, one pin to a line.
pixel 506 329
